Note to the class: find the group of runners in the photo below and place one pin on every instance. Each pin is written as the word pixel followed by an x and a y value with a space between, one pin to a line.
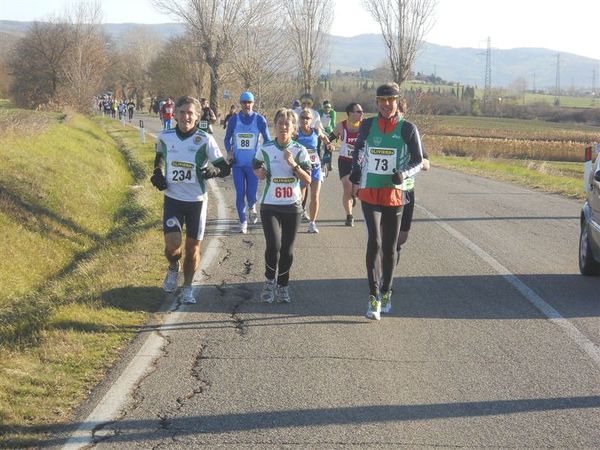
pixel 111 107
pixel 378 159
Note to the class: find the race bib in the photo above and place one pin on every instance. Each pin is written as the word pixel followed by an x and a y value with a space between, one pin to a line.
pixel 382 161
pixel 313 157
pixel 203 124
pixel 283 188
pixel 182 172
pixel 245 141
pixel 350 150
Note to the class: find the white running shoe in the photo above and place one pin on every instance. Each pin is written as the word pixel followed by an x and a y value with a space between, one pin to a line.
pixel 268 292
pixel 283 294
pixel 171 279
pixel 386 303
pixel 253 215
pixel 187 295
pixel 312 227
pixel 244 227
pixel 374 309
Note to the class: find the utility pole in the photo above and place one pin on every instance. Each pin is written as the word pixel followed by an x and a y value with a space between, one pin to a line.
pixel 557 93
pixel 487 91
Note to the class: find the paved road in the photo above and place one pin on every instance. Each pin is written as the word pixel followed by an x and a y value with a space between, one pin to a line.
pixel 493 341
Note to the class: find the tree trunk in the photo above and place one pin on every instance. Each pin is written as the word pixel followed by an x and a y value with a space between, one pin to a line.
pixel 214 87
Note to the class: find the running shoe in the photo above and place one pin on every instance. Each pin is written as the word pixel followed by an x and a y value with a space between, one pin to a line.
pixel 268 292
pixel 386 302
pixel 170 283
pixel 252 215
pixel 244 227
pixel 283 294
pixel 312 227
pixel 349 220
pixel 187 295
pixel 374 309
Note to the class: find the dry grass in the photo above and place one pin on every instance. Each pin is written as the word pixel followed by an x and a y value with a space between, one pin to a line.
pixel 490 148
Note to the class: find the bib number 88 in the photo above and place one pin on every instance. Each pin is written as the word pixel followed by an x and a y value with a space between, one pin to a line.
pixel 283 192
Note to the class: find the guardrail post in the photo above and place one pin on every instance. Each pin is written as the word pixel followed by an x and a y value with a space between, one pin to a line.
pixel 142 133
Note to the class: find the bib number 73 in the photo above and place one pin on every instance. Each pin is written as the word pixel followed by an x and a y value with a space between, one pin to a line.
pixel 381 165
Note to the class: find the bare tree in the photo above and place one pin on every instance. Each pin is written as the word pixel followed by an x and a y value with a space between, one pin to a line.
pixel 36 63
pixel 404 24
pixel 309 22
pixel 131 63
pixel 86 60
pixel 60 61
pixel 261 56
pixel 179 56
pixel 214 24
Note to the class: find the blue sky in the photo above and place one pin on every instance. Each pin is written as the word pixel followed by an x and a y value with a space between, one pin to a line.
pixel 572 27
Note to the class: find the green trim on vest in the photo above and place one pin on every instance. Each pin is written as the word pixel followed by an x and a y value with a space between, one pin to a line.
pixel 383 153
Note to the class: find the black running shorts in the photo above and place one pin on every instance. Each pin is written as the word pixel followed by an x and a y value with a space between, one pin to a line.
pixel 344 166
pixel 177 213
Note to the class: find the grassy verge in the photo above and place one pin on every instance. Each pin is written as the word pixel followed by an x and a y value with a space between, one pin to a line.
pixel 81 274
pixel 554 177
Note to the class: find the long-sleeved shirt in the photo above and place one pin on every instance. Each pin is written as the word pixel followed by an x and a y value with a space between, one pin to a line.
pixel 410 135
pixel 261 122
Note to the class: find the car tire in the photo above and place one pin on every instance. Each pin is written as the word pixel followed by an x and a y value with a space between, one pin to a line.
pixel 587 264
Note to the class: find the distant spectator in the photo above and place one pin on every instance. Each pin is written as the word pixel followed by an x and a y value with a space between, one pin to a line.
pixel 167 110
pixel 232 112
pixel 207 117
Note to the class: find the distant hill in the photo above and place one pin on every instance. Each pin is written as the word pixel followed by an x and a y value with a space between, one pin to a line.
pixel 367 51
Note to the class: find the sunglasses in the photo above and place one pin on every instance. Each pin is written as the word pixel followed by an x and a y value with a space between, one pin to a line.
pixel 386 99
pixel 306 117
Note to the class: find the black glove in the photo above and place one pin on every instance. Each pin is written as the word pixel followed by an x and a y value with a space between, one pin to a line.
pixel 158 180
pixel 397 177
pixel 209 171
pixel 355 175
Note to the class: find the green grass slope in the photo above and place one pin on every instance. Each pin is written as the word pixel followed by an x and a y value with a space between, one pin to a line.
pixel 80 261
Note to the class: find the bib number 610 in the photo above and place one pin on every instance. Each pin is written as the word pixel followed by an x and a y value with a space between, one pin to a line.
pixel 283 192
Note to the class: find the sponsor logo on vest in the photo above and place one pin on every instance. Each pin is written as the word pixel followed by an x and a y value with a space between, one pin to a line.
pixel 182 164
pixel 245 135
pixel 283 180
pixel 377 140
pixel 395 136
pixel 197 139
pixel 381 151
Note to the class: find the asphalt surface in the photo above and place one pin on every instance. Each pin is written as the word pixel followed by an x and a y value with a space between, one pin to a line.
pixel 493 340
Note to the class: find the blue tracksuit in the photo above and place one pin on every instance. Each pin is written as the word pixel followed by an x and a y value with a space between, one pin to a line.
pixel 241 138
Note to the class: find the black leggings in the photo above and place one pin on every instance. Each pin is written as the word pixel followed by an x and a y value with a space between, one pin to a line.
pixel 280 229
pixel 383 225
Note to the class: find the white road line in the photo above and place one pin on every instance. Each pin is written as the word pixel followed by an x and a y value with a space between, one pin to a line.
pixel 113 401
pixel 544 307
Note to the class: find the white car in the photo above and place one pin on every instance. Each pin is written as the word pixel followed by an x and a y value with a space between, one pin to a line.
pixel 589 238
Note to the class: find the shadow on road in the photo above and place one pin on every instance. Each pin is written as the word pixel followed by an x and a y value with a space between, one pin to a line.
pixel 131 431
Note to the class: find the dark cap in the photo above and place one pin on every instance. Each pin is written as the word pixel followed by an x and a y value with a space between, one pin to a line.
pixel 388 90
